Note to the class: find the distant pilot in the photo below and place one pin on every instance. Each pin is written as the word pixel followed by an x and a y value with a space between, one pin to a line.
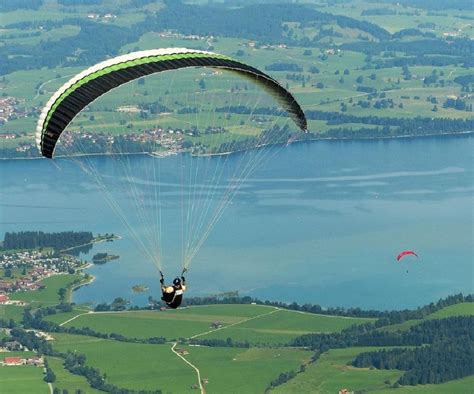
pixel 173 295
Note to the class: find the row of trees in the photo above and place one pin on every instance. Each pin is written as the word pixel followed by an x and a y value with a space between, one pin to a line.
pixel 39 239
pixel 229 342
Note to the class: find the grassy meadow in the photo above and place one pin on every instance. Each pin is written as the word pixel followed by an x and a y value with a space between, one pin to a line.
pixel 233 370
pixel 60 318
pixel 253 323
pixel 132 365
pixel 14 312
pixel 22 379
pixel 48 295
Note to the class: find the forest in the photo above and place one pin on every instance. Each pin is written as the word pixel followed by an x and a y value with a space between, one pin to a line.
pixel 449 357
pixel 40 239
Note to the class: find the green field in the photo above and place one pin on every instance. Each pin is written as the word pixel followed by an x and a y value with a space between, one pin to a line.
pixel 170 324
pixel 48 295
pixel 232 370
pixel 141 324
pixel 253 323
pixel 22 379
pixel 130 365
pixel 148 367
pixel 14 312
pixel 62 317
pixel 282 326
pixel 67 380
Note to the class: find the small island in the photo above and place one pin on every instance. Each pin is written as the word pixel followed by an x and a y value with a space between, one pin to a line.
pixel 140 288
pixel 102 258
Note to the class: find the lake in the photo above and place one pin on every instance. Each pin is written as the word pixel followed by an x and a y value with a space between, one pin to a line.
pixel 319 222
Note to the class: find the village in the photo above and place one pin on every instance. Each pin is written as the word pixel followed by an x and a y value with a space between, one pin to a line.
pixel 24 271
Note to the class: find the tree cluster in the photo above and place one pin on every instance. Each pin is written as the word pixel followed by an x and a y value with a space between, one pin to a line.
pixel 229 342
pixel 39 239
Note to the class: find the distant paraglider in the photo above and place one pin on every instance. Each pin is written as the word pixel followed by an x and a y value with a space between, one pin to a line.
pixel 406 253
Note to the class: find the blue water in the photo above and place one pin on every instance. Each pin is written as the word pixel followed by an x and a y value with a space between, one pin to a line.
pixel 318 222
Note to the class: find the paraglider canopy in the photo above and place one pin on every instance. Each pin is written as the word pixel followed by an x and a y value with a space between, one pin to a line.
pixel 406 253
pixel 97 80
pixel 179 200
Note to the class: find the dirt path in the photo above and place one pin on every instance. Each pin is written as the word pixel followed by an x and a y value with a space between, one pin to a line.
pixel 75 317
pixel 201 387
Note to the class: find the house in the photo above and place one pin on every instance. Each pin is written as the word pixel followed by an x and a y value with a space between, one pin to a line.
pixel 183 352
pixel 36 361
pixel 10 361
pixel 4 298
pixel 345 391
pixel 205 380
pixel 216 325
pixel 13 345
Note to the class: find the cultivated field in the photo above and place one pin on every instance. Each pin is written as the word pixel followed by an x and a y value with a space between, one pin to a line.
pixel 252 323
pixel 232 370
pixel 22 379
pixel 131 365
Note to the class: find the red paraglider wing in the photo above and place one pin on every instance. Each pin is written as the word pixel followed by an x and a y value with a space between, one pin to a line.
pixel 406 253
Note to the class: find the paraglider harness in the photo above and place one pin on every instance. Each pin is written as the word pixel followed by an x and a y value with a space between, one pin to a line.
pixel 173 295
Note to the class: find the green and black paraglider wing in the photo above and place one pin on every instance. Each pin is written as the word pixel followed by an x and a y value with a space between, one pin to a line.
pixel 92 83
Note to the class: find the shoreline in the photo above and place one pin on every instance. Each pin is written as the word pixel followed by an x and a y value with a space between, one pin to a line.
pixel 411 136
pixel 73 288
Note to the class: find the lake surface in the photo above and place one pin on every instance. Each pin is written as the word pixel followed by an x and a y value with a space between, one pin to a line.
pixel 318 222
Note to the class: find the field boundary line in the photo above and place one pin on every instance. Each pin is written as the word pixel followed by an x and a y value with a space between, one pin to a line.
pixel 239 322
pixel 191 365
